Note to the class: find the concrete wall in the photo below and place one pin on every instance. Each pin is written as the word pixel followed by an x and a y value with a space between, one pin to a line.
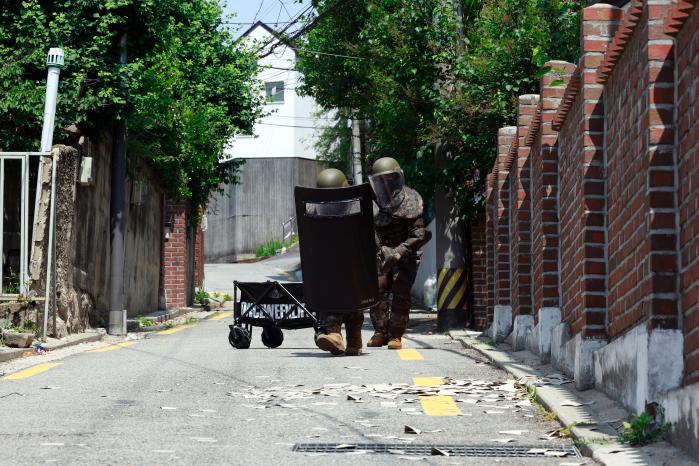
pixel 83 237
pixel 251 213
pixel 144 219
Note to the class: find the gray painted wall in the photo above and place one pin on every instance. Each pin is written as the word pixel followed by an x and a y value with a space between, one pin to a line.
pixel 251 213
pixel 143 239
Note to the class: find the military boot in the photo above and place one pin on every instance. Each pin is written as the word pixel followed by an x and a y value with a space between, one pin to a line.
pixel 377 339
pixel 354 340
pixel 332 340
pixel 395 343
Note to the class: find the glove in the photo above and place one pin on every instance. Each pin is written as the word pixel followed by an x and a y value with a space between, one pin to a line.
pixel 389 258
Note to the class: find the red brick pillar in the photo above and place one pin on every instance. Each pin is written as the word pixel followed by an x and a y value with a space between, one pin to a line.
pixel 661 186
pixel 490 210
pixel 599 24
pixel 175 254
pixel 520 213
pixel 199 258
pixel 478 273
pixel 506 138
pixel 544 159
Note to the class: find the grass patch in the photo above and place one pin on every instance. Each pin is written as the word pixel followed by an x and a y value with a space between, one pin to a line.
pixel 201 297
pixel 270 248
pixel 642 430
pixel 144 321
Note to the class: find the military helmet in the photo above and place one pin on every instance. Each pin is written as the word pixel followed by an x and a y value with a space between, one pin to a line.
pixel 385 164
pixel 331 178
pixel 387 181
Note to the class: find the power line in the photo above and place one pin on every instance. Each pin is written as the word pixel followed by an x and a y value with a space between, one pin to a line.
pixel 331 54
pixel 250 24
pixel 294 126
pixel 258 10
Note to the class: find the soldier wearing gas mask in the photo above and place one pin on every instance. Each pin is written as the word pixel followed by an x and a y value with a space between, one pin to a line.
pixel 332 340
pixel 400 236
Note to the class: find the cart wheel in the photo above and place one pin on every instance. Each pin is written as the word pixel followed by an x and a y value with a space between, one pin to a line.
pixel 239 338
pixel 272 337
pixel 318 333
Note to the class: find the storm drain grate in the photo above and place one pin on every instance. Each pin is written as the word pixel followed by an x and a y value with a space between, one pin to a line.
pixel 450 450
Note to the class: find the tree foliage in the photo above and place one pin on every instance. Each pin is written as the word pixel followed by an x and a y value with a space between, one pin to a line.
pixel 436 72
pixel 186 90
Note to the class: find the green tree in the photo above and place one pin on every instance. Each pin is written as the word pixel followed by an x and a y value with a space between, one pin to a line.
pixel 187 89
pixel 435 71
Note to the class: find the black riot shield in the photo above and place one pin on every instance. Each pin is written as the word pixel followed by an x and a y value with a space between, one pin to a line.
pixel 338 249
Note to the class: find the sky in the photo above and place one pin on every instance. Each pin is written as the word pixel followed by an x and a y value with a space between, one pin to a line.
pixel 269 11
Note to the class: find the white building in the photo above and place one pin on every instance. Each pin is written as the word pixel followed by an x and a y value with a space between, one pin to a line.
pixel 278 156
pixel 289 128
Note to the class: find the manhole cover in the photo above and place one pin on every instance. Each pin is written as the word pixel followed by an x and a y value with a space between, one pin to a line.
pixel 452 450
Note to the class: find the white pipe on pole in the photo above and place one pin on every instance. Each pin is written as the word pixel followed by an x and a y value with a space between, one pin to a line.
pixel 55 61
pixel 356 150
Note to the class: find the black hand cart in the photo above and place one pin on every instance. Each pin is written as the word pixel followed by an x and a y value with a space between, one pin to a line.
pixel 272 305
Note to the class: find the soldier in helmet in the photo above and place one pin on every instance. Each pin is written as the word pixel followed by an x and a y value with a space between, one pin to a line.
pixel 332 340
pixel 401 234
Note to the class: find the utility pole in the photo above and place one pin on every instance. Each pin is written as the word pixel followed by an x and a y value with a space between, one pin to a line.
pixel 453 288
pixel 117 313
pixel 356 150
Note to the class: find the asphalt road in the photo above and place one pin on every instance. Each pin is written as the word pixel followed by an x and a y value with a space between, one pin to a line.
pixel 187 397
pixel 219 277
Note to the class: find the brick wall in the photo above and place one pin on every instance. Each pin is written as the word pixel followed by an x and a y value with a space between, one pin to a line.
pixel 175 255
pixel 688 193
pixel 608 167
pixel 478 273
pixel 613 186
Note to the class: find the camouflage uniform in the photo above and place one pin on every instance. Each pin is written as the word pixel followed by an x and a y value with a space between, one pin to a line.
pixel 402 231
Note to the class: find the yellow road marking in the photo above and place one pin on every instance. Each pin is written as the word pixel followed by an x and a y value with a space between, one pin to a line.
pixel 220 316
pixel 428 381
pixel 175 329
pixel 410 354
pixel 26 373
pixel 117 346
pixel 439 405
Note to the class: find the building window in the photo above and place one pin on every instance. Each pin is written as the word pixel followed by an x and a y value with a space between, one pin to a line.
pixel 275 91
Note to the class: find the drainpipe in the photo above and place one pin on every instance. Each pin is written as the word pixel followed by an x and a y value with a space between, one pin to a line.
pixel 54 61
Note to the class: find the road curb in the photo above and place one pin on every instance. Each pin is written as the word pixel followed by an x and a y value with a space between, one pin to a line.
pixel 71 340
pixel 160 318
pixel 594 437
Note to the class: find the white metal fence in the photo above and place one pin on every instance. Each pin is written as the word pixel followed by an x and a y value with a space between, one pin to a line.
pixel 11 291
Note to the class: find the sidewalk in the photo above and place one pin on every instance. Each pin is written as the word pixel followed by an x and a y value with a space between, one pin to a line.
pixel 52 344
pixel 594 420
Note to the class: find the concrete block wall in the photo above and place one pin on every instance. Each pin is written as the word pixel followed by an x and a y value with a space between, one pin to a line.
pixel 593 211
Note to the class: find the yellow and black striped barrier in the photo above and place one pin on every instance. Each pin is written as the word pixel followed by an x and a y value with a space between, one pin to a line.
pixel 452 289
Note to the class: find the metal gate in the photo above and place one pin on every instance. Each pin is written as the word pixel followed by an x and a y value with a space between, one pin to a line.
pixel 13 284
